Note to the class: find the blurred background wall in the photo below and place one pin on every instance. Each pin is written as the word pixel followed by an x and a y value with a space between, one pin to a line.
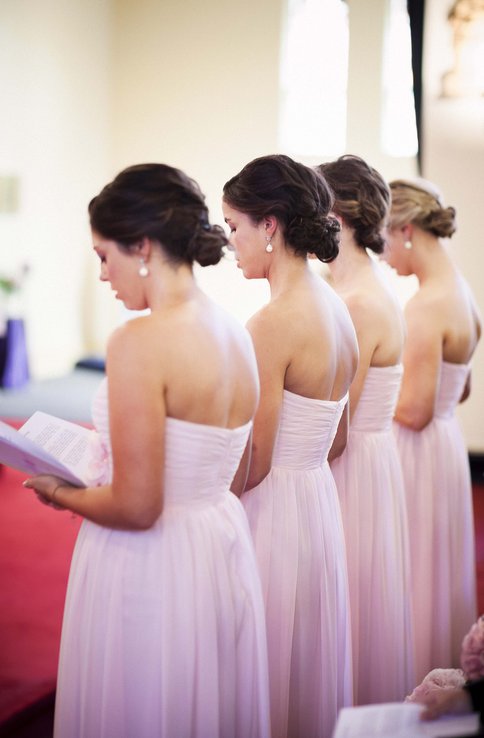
pixel 91 86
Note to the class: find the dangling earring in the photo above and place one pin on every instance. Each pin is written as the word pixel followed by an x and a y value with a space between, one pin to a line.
pixel 269 247
pixel 143 270
pixel 408 244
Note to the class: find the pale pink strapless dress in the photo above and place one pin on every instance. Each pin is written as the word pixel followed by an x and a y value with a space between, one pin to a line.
pixel 164 633
pixel 369 479
pixel 295 520
pixel 439 502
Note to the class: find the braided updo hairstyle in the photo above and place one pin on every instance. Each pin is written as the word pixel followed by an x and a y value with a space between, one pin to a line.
pixel 296 195
pixel 419 202
pixel 362 199
pixel 161 203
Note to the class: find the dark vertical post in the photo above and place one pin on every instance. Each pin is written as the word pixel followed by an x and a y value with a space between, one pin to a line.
pixel 416 12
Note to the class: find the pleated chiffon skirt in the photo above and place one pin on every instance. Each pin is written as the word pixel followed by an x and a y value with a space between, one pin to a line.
pixel 370 486
pixel 295 521
pixel 438 492
pixel 164 632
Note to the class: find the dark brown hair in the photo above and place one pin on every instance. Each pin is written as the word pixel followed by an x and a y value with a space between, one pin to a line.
pixel 362 198
pixel 296 195
pixel 162 203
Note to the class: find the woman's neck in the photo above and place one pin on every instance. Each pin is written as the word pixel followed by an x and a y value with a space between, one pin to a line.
pixel 285 271
pixel 430 259
pixel 349 262
pixel 171 285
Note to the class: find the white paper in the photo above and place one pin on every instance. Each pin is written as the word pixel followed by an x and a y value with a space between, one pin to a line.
pixel 399 720
pixel 46 444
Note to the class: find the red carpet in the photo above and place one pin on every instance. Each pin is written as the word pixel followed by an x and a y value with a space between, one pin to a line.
pixel 36 545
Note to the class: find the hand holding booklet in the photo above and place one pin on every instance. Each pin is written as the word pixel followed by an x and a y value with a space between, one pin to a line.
pixel 46 444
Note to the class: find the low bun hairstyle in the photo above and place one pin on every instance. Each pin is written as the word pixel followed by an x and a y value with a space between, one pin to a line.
pixel 296 195
pixel 362 199
pixel 161 203
pixel 419 202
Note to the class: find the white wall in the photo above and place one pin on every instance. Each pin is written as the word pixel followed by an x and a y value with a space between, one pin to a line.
pixel 454 159
pixel 54 137
pixel 197 87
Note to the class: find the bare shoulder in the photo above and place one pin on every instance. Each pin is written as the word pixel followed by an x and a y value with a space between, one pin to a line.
pixel 265 321
pixel 427 296
pixel 366 307
pixel 361 300
pixel 153 342
pixel 426 318
pixel 129 340
pixel 271 335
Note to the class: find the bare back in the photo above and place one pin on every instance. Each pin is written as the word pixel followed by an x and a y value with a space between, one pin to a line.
pixel 202 361
pixel 209 368
pixel 378 320
pixel 443 325
pixel 316 340
pixel 373 307
pixel 305 343
pixel 443 315
pixel 461 326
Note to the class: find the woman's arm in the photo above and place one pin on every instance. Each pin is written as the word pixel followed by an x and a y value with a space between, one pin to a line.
pixel 422 357
pixel 439 702
pixel 134 499
pixel 271 363
pixel 365 321
pixel 341 437
pixel 240 479
pixel 478 330
pixel 467 388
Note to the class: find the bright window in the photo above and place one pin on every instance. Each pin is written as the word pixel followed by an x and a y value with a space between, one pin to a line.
pixel 313 78
pixel 399 130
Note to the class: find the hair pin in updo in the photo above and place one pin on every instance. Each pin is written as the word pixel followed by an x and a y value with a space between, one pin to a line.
pixel 333 226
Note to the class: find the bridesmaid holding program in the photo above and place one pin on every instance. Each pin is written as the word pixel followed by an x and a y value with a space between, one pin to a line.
pixel 163 633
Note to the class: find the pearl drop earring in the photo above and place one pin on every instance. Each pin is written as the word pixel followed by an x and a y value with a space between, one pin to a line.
pixel 143 270
pixel 269 247
pixel 408 244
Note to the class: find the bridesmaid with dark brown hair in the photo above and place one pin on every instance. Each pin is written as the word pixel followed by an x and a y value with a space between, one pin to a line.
pixel 368 474
pixel 279 212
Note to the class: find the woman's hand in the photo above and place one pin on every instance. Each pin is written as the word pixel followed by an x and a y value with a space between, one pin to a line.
pixel 455 701
pixel 45 487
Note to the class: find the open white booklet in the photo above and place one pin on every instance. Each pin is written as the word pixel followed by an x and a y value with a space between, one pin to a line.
pixel 400 720
pixel 46 444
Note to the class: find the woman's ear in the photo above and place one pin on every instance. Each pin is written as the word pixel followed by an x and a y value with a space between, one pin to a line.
pixel 407 231
pixel 143 248
pixel 270 225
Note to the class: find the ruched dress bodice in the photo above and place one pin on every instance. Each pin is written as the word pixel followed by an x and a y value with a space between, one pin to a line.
pixel 164 631
pixel 438 493
pixel 378 399
pixel 370 486
pixel 200 460
pixel 451 386
pixel 307 428
pixel 295 520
